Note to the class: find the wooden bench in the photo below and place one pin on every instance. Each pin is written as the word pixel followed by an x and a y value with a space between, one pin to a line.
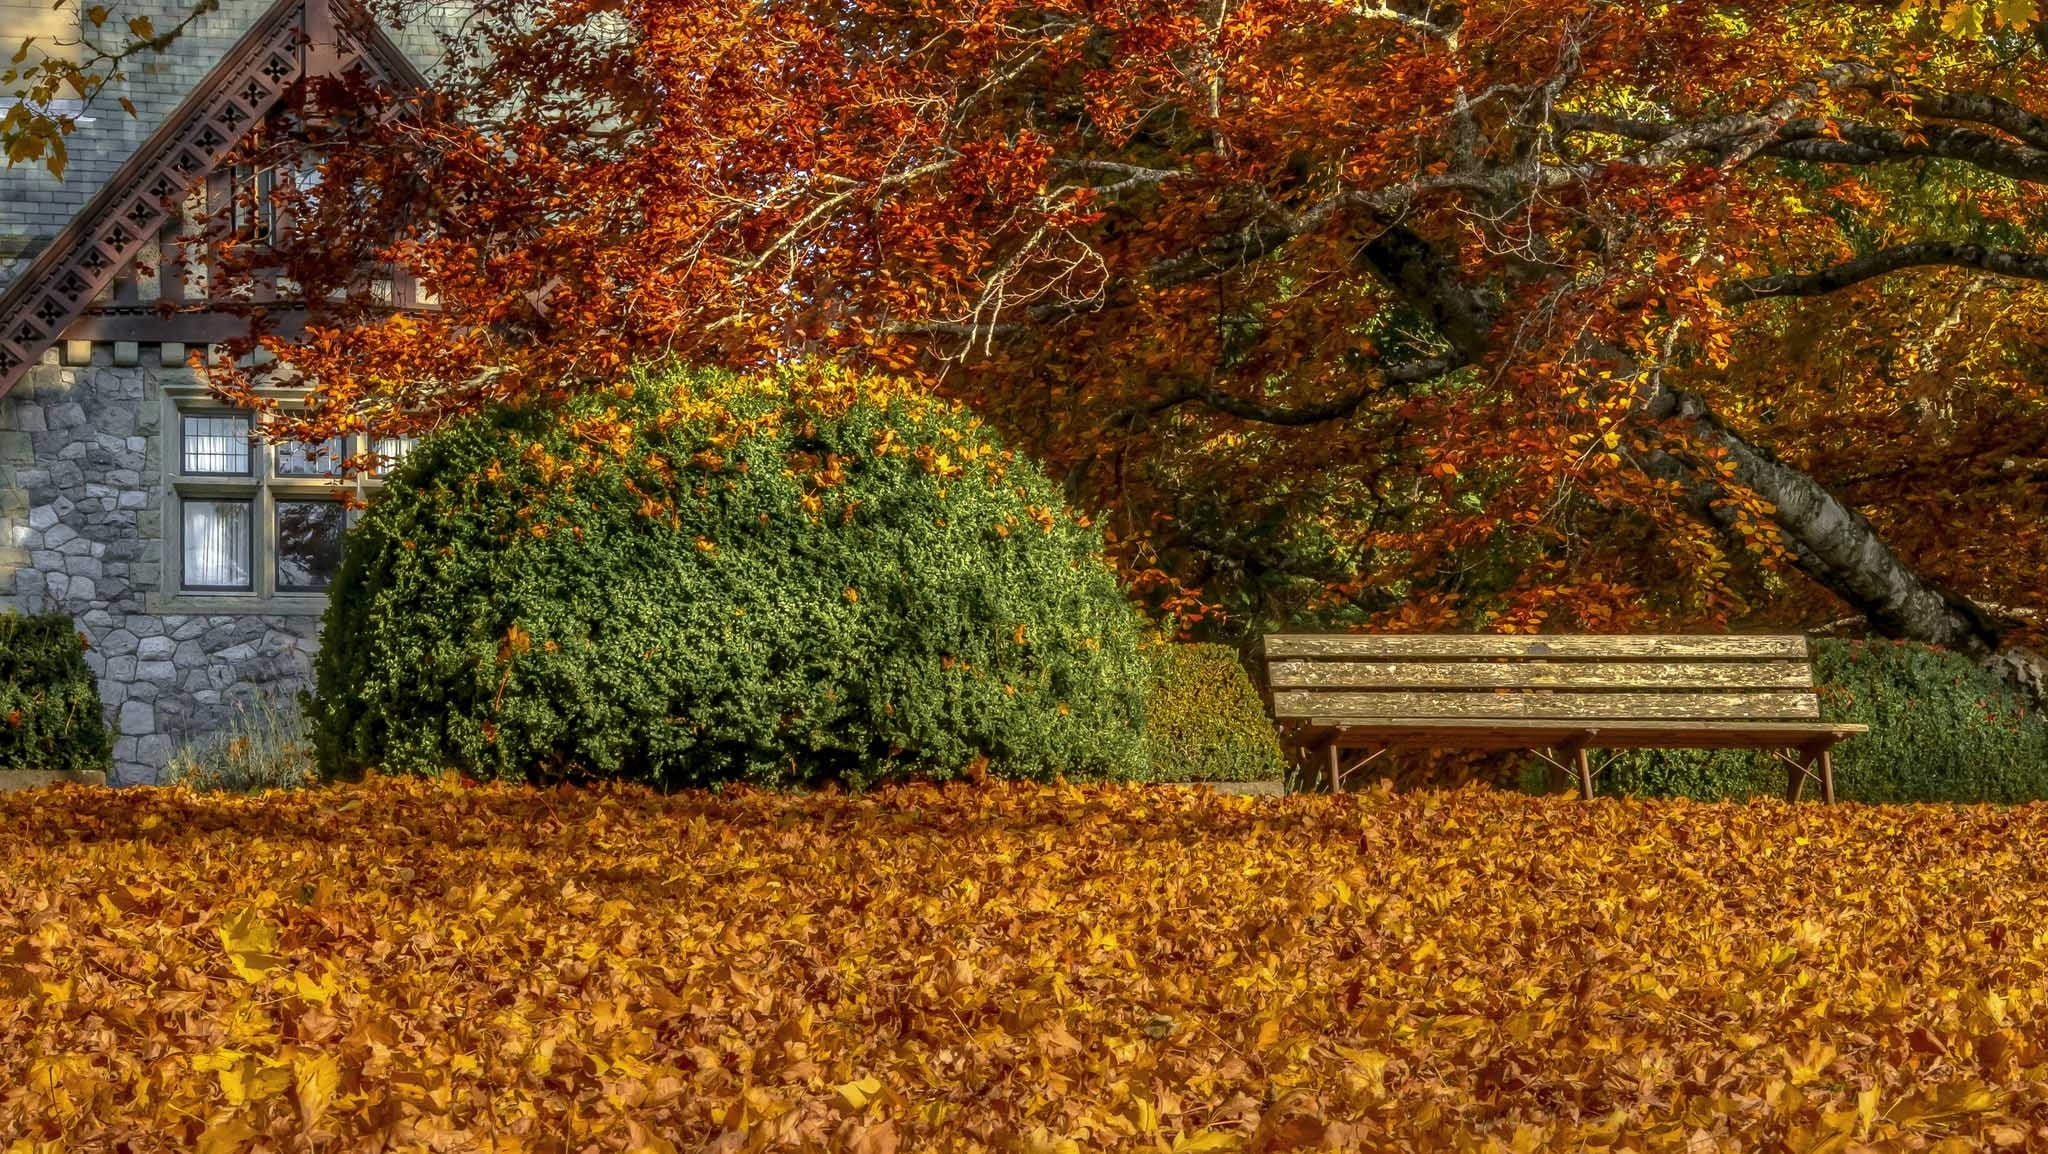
pixel 1349 699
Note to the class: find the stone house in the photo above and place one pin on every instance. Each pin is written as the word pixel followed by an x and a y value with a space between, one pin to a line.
pixel 192 554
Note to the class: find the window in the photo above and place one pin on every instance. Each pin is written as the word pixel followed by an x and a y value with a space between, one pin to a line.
pixel 218 544
pixel 263 193
pixel 253 518
pixel 308 544
pixel 392 452
pixel 254 209
pixel 303 459
pixel 216 445
pixel 252 214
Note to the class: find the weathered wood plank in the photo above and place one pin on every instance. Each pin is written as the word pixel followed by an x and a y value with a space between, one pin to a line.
pixel 1439 733
pixel 1455 727
pixel 1672 648
pixel 1765 675
pixel 1561 706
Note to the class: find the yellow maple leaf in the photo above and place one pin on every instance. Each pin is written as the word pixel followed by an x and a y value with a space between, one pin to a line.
pixel 1964 18
pixel 1041 1141
pixel 860 1092
pixel 316 1078
pixel 227 1136
pixel 249 942
pixel 2015 13
pixel 315 990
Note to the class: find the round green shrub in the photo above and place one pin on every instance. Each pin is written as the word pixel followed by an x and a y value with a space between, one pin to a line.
pixel 699 577
pixel 1941 729
pixel 1205 721
pixel 50 715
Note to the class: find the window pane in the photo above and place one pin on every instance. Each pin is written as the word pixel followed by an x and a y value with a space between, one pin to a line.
pixel 393 450
pixel 308 543
pixel 309 459
pixel 217 444
pixel 266 205
pixel 217 540
pixel 239 204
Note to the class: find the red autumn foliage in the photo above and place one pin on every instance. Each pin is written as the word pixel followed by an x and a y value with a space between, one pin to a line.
pixel 1409 313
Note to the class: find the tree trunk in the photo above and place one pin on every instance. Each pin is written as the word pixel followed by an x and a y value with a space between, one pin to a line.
pixel 1832 543
pixel 1840 548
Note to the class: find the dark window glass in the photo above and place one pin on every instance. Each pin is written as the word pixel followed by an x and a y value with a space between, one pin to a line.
pixel 265 195
pixel 308 544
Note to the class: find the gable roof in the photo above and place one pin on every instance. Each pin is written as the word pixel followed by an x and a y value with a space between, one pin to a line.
pixel 35 206
pixel 291 39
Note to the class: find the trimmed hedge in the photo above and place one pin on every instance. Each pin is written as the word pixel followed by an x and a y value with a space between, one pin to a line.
pixel 50 715
pixel 781 578
pixel 1205 720
pixel 1941 729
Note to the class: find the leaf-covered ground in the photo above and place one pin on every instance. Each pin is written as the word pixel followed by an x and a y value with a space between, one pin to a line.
pixel 1015 968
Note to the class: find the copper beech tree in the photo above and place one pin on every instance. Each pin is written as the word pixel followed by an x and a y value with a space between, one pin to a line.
pixel 1585 314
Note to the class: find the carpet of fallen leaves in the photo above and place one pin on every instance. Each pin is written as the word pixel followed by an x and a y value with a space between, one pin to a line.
pixel 1013 968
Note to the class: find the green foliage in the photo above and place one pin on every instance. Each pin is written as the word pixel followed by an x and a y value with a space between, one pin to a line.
pixel 266 745
pixel 1205 721
pixel 697 578
pixel 50 716
pixel 1941 729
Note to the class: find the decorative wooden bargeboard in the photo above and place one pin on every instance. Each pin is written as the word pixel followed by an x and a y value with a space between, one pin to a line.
pixel 1345 700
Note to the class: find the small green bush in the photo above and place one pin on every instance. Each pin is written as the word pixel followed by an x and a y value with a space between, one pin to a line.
pixel 50 715
pixel 1205 721
pixel 1941 729
pixel 265 746
pixel 697 577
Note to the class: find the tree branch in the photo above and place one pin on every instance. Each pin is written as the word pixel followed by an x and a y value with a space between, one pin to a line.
pixel 1416 18
pixel 1248 244
pixel 1999 261
pixel 1848 142
pixel 1338 408
pixel 1434 286
pixel 818 211
pixel 1979 108
pixel 1819 141
pixel 1134 175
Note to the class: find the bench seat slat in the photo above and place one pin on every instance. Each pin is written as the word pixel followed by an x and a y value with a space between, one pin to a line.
pixel 1299 674
pixel 1611 648
pixel 1484 705
pixel 1437 733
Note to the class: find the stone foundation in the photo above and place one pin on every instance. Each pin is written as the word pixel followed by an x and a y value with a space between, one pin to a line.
pixel 82 500
pixel 34 779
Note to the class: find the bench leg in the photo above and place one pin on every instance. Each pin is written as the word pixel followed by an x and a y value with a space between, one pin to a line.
pixel 1802 764
pixel 1336 779
pixel 1583 762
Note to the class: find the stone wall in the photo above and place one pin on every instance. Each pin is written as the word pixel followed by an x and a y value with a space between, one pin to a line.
pixel 82 504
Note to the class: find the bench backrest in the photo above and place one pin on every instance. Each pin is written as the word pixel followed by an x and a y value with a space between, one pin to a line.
pixel 1574 678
